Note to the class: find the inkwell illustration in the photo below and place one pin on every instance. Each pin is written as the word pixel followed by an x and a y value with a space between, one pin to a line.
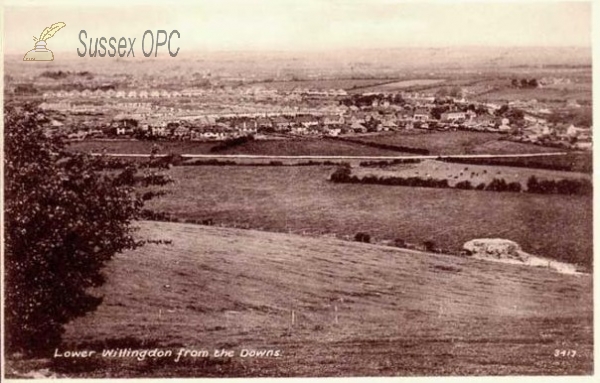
pixel 40 52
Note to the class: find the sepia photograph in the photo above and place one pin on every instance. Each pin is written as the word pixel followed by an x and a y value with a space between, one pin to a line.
pixel 297 189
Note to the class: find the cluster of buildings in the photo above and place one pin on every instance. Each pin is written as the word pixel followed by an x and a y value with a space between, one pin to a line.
pixel 223 112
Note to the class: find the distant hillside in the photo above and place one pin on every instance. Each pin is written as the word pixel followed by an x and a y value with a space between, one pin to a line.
pixel 398 312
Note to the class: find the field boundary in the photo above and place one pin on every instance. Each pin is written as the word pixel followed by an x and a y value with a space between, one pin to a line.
pixel 266 157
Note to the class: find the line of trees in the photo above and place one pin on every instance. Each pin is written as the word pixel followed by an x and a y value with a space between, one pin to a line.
pixel 563 186
pixel 382 163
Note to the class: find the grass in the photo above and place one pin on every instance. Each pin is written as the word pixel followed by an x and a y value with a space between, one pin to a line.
pixel 475 174
pixel 347 84
pixel 557 93
pixel 403 85
pixel 314 147
pixel 301 200
pixel 285 147
pixel 436 142
pixel 142 147
pixel 581 162
pixel 399 312
pixel 459 142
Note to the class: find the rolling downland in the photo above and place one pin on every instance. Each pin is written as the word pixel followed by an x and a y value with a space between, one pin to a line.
pixel 358 309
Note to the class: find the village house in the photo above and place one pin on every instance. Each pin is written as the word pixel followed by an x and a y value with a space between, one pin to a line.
pixel 158 131
pixel 306 121
pixel 333 120
pixel 421 115
pixel 334 132
pixel 181 132
pixel 280 122
pixel 263 122
pixel 299 129
pixel 454 116
pixel 357 127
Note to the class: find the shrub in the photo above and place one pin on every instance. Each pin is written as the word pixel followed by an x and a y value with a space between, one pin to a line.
pixel 429 246
pixel 514 187
pixel 362 237
pixel 65 217
pixel 497 184
pixel 341 174
pixel 398 242
pixel 466 185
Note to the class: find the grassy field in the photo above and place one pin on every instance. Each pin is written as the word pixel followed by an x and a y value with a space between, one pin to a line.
pixel 436 142
pixel 555 93
pixel 581 162
pixel 476 174
pixel 307 147
pixel 403 85
pixel 459 142
pixel 301 200
pixel 347 84
pixel 142 147
pixel 284 147
pixel 398 312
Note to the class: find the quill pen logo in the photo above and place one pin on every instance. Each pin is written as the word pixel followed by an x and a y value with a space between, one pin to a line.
pixel 40 52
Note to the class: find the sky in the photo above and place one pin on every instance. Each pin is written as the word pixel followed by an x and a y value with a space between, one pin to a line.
pixel 255 25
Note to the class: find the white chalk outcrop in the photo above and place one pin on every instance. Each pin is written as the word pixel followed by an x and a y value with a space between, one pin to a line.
pixel 507 251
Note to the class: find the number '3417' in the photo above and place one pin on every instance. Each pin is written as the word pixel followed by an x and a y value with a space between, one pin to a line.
pixel 566 353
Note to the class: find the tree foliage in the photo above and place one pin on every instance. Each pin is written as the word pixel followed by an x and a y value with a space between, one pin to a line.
pixel 66 215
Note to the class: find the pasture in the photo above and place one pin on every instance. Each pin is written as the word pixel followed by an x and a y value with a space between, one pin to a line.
pixel 359 309
pixel 141 146
pixel 475 174
pixel 281 147
pixel 581 92
pixel 347 84
pixel 459 142
pixel 403 85
pixel 302 200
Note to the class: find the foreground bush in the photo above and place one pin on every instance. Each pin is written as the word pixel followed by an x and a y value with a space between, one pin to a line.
pixel 65 217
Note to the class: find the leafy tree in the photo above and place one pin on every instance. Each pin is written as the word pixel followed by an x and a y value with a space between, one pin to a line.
pixel 436 112
pixel 514 115
pixel 503 109
pixel 481 110
pixel 533 83
pixel 362 237
pixel 65 217
pixel 429 246
pixel 524 83
pixel 341 174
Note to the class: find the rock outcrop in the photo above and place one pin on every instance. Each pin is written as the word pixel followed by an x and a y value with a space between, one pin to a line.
pixel 496 248
pixel 507 251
